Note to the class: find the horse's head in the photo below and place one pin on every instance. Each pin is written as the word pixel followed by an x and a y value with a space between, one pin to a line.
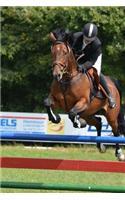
pixel 61 54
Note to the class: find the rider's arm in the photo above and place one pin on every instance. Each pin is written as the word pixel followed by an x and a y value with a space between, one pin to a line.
pixel 96 53
pixel 94 61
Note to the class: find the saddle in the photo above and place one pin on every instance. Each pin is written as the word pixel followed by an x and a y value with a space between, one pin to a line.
pixel 97 89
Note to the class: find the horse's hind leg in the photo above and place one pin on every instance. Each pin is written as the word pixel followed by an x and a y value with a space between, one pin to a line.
pixel 97 122
pixel 75 112
pixel 100 146
pixel 118 151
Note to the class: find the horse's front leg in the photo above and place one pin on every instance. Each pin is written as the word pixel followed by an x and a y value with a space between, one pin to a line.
pixel 74 114
pixel 54 118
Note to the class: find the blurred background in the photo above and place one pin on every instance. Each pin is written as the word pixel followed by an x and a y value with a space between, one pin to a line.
pixel 25 49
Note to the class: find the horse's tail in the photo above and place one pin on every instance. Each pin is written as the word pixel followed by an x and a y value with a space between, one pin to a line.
pixel 121 119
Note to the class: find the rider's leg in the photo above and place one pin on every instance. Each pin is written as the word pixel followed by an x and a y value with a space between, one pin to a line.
pixel 111 100
pixel 97 65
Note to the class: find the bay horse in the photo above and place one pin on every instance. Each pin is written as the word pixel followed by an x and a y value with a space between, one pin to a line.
pixel 71 91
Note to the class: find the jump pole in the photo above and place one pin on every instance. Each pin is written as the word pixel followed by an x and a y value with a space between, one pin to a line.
pixel 68 187
pixel 62 138
pixel 60 164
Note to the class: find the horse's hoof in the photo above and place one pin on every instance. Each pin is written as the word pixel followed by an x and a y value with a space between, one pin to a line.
pixel 121 157
pixel 55 120
pixel 102 148
pixel 75 125
pixel 82 122
pixel 79 123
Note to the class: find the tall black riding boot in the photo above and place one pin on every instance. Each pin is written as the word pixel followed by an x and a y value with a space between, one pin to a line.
pixel 111 100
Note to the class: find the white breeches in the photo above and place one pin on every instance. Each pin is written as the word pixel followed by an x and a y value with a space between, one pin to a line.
pixel 98 64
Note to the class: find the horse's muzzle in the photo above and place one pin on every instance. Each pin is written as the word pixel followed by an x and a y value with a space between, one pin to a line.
pixel 57 77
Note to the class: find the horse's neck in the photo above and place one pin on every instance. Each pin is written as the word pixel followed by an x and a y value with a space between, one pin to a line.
pixel 76 75
pixel 73 65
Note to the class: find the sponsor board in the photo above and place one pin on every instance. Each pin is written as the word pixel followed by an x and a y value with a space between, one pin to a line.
pixel 35 123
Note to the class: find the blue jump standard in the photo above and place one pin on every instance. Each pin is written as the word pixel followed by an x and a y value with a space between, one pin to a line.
pixel 61 138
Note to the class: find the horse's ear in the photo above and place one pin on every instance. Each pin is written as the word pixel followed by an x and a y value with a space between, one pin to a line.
pixel 52 37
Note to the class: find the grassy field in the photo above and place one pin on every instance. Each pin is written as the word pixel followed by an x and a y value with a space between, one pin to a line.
pixel 82 152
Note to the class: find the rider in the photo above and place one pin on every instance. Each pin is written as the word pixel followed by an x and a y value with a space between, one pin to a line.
pixel 87 48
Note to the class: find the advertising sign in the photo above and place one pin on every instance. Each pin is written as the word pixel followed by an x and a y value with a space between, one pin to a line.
pixel 35 123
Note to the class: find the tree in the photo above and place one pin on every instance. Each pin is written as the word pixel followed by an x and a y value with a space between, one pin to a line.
pixel 25 49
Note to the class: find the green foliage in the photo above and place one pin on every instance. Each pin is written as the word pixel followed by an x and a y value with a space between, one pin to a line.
pixel 25 48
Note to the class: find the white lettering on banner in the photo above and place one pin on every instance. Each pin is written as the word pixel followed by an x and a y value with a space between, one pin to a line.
pixel 36 123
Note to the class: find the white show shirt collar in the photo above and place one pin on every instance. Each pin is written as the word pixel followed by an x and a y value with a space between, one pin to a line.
pixel 84 45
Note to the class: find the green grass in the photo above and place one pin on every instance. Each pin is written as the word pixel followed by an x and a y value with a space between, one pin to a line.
pixel 82 152
pixel 88 152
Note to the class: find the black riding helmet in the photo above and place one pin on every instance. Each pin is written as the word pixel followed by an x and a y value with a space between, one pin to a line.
pixel 90 30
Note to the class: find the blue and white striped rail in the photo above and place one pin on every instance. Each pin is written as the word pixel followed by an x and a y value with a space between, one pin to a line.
pixel 62 138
